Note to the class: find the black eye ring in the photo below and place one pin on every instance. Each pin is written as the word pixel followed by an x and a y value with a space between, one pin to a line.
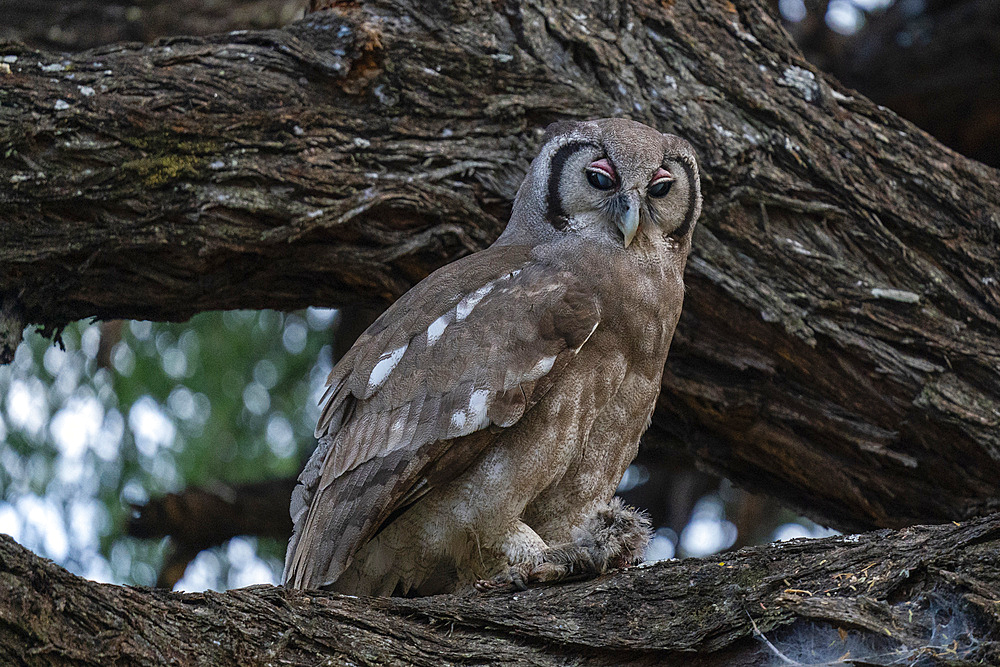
pixel 600 179
pixel 660 188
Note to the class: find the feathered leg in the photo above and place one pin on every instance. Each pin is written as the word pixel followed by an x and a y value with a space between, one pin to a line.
pixel 614 535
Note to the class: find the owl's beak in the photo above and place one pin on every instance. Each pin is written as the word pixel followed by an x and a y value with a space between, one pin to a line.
pixel 629 221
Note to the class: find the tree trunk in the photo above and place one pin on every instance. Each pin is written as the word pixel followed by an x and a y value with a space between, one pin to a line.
pixel 839 344
pixel 927 593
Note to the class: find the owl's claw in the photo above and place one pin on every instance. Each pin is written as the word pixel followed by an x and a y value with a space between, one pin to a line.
pixel 487 585
pixel 518 579
pixel 613 536
pixel 515 578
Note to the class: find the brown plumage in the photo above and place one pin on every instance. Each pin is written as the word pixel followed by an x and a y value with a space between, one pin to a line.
pixel 476 432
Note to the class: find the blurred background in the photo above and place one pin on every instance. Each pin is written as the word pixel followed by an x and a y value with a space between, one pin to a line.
pixel 164 454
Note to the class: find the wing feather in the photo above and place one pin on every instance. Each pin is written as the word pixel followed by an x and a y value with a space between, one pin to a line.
pixel 475 345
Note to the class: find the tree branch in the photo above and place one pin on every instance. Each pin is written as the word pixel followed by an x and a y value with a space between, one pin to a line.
pixel 72 25
pixel 926 592
pixel 839 344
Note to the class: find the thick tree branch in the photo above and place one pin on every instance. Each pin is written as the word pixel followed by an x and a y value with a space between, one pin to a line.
pixel 928 592
pixel 839 345
pixel 72 25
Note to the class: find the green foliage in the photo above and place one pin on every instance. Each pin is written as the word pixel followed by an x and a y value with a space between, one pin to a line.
pixel 227 397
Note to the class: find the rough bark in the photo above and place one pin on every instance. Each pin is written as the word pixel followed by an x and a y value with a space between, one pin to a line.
pixel 839 345
pixel 926 594
pixel 72 25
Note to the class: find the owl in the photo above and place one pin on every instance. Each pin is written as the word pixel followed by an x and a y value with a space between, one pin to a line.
pixel 475 434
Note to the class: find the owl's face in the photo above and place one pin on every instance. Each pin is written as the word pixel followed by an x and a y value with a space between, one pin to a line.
pixel 612 180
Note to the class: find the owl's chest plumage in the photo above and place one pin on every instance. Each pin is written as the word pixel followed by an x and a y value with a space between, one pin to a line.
pixel 617 380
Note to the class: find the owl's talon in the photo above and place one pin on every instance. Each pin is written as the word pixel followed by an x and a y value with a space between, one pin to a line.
pixel 517 578
pixel 485 585
pixel 500 583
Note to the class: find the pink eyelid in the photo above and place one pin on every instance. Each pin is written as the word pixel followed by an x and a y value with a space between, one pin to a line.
pixel 605 166
pixel 661 175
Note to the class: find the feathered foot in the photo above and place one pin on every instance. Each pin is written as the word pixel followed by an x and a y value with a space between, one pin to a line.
pixel 614 536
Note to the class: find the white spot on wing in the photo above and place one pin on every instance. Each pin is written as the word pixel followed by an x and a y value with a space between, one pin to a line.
pixel 543 366
pixel 458 421
pixel 466 305
pixel 385 364
pixel 477 408
pixel 437 328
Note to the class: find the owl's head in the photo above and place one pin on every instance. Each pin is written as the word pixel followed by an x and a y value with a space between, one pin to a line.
pixel 608 179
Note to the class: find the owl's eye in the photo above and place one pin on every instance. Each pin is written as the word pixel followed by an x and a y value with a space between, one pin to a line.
pixel 599 179
pixel 660 184
pixel 601 174
pixel 659 188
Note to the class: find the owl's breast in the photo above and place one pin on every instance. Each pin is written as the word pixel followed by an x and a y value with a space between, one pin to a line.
pixel 642 311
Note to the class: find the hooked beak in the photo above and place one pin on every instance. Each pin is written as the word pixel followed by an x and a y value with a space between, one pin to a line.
pixel 629 221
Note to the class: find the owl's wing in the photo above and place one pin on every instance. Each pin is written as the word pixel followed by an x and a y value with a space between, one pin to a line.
pixel 466 352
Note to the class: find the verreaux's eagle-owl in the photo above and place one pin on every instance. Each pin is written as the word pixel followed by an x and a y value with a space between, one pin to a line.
pixel 476 432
